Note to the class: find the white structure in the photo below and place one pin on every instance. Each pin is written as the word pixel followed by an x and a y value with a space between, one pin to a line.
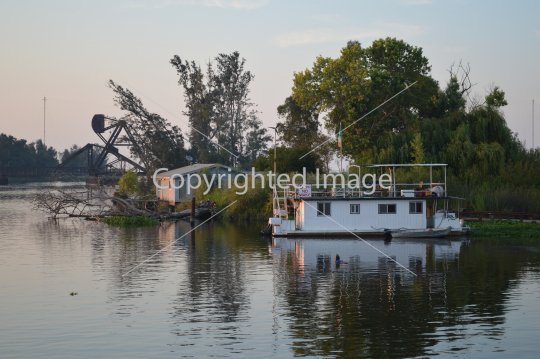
pixel 414 254
pixel 179 185
pixel 407 208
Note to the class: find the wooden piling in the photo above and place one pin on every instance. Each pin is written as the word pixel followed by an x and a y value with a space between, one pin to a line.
pixel 192 218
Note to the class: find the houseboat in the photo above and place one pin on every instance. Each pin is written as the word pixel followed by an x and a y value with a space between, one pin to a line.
pixel 378 206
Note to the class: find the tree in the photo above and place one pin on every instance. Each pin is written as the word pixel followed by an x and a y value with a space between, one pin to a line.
pixel 487 162
pixel 18 153
pixel 79 161
pixel 417 149
pixel 257 138
pixel 15 152
pixel 348 87
pixel 200 98
pixel 300 126
pixel 157 142
pixel 128 184
pixel 288 160
pixel 44 156
pixel 496 98
pixel 220 110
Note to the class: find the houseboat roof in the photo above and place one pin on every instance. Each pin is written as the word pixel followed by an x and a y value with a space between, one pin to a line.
pixel 195 168
pixel 409 165
pixel 374 198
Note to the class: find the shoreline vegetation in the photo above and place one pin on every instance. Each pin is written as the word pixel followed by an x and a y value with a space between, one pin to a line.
pixel 130 221
pixel 429 122
pixel 252 207
pixel 507 231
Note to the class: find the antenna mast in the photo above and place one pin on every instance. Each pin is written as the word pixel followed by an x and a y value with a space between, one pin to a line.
pixel 44 104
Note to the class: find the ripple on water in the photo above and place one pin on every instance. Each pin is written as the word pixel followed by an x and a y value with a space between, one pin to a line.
pixel 230 293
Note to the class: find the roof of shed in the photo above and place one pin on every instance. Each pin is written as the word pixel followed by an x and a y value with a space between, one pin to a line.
pixel 195 168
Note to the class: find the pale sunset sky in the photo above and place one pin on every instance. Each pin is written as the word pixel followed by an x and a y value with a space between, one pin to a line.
pixel 68 50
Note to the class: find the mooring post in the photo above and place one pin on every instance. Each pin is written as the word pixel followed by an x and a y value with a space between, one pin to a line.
pixel 192 221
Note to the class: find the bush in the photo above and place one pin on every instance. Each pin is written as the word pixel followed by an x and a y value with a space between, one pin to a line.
pixel 128 184
pixel 253 206
pixel 514 231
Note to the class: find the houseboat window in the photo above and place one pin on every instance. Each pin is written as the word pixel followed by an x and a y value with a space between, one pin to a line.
pixel 355 208
pixel 387 208
pixel 416 207
pixel 323 208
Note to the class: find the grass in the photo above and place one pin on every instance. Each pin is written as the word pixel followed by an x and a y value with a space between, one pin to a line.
pixel 130 221
pixel 507 230
pixel 254 206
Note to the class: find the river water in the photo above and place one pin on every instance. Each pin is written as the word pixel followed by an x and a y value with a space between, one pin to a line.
pixel 227 292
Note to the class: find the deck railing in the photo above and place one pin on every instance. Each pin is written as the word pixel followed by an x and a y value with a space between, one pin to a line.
pixel 397 190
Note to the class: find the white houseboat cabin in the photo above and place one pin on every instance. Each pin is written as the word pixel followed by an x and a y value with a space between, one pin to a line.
pixel 391 210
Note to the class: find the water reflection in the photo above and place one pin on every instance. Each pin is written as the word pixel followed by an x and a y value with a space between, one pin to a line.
pixel 370 307
pixel 224 291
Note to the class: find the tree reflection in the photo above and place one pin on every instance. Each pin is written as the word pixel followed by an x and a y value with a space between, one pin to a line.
pixel 378 310
pixel 215 287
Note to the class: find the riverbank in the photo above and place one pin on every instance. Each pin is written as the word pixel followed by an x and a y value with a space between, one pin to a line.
pixel 134 221
pixel 507 230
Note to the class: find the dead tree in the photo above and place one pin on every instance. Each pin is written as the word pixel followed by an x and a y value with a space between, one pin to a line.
pixel 71 203
pixel 86 203
pixel 461 72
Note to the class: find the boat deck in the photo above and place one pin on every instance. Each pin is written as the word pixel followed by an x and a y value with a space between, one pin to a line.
pixel 352 234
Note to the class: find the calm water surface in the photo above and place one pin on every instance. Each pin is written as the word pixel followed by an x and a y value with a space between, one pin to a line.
pixel 226 292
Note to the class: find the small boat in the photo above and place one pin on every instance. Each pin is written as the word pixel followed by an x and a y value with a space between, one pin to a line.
pixel 422 233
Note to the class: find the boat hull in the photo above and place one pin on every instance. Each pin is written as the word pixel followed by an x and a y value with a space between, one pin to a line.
pixel 366 234
pixel 422 233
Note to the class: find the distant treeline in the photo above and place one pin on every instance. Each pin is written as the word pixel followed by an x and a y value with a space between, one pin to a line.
pixel 18 153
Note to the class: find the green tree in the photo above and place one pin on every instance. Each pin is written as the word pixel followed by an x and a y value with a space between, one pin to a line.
pixel 15 152
pixel 128 184
pixel 219 109
pixel 157 142
pixel 18 153
pixel 417 149
pixel 200 99
pixel 496 98
pixel 348 87
pixel 44 156
pixel 300 126
pixel 487 162
pixel 288 160
pixel 79 161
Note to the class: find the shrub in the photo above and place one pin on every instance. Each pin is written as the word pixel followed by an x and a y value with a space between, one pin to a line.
pixel 128 184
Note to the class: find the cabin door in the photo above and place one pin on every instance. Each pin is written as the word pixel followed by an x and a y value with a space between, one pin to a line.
pixel 430 219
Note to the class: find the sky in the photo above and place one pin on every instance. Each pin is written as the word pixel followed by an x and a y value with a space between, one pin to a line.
pixel 68 50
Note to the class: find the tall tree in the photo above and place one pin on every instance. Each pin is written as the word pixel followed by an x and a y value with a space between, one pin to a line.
pixel 200 99
pixel 220 110
pixel 79 161
pixel 44 156
pixel 300 126
pixel 348 87
pixel 18 153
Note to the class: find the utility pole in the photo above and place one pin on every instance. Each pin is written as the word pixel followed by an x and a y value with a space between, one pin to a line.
pixel 275 200
pixel 533 124
pixel 44 113
pixel 359 178
pixel 275 137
